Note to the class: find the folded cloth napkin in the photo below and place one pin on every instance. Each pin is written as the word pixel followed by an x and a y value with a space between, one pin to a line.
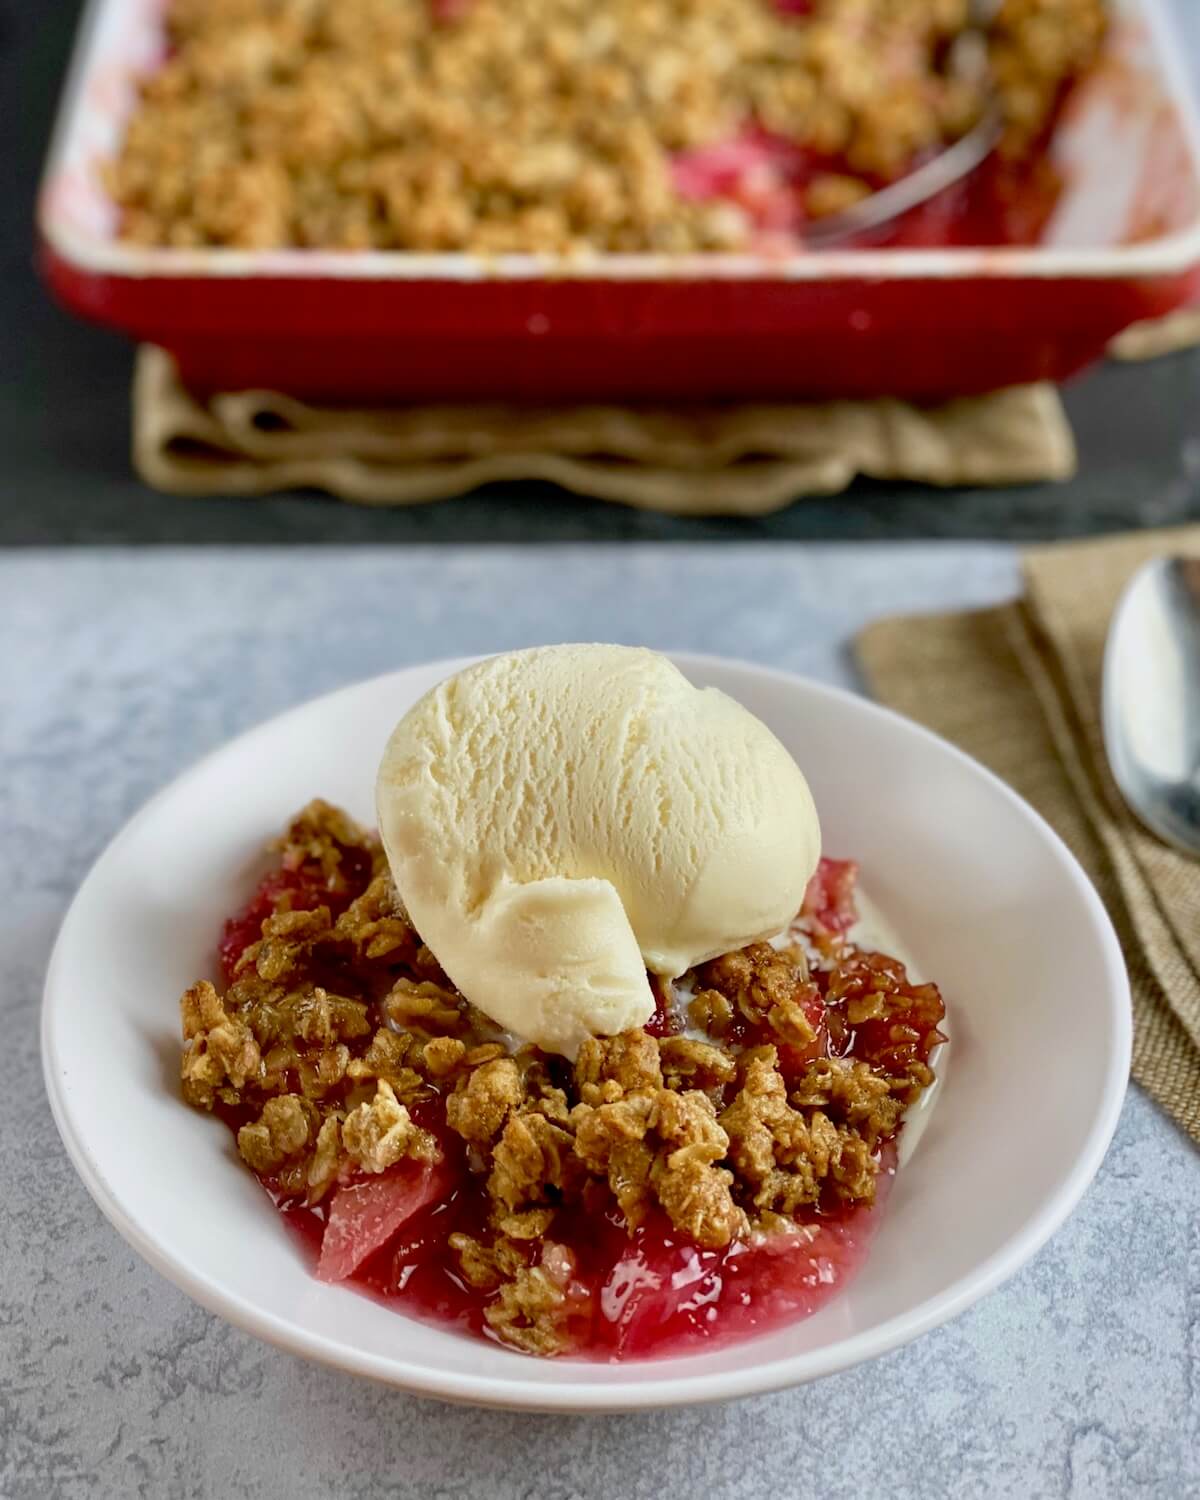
pixel 1158 336
pixel 716 460
pixel 1018 687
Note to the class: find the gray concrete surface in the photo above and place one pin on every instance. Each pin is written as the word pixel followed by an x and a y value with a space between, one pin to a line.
pixel 1079 1379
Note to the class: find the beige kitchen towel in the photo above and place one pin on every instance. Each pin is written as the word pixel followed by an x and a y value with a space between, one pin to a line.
pixel 718 460
pixel 1157 336
pixel 1018 687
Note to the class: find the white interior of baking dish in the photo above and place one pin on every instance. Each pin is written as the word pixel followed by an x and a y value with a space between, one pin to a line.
pixel 1128 148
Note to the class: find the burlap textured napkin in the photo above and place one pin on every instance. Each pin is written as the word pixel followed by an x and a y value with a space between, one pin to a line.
pixel 1019 688
pixel 1157 336
pixel 721 460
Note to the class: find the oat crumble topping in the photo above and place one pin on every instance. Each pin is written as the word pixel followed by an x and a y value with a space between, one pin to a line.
pixel 339 1051
pixel 552 125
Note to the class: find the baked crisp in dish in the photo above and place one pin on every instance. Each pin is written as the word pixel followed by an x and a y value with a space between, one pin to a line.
pixel 501 126
pixel 710 1174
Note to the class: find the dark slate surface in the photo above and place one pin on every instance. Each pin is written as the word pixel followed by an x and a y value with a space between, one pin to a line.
pixel 64 425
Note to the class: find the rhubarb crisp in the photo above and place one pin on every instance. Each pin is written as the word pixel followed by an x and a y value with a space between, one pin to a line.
pixel 500 126
pixel 714 1173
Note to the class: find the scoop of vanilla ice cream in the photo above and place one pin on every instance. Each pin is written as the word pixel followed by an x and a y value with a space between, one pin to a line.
pixel 560 820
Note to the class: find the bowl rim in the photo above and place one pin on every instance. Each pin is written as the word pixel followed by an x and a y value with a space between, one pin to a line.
pixel 514 1392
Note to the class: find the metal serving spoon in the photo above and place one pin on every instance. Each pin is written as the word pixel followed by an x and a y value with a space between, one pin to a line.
pixel 1151 699
pixel 968 59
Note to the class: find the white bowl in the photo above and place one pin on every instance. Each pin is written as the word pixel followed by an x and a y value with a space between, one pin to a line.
pixel 986 897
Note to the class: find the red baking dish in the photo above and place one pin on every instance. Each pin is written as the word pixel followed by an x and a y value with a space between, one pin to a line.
pixel 1122 244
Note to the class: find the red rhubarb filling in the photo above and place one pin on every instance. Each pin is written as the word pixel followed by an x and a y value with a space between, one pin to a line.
pixel 714 1175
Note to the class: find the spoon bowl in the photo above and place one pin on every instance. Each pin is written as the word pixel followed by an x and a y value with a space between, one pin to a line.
pixel 968 61
pixel 1151 699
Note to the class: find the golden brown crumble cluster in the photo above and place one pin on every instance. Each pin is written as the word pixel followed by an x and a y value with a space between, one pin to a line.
pixel 547 125
pixel 335 1030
